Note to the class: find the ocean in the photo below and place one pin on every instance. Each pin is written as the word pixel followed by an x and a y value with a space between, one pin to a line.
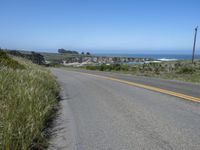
pixel 162 57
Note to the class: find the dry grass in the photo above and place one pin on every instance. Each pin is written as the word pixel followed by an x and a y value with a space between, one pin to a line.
pixel 27 98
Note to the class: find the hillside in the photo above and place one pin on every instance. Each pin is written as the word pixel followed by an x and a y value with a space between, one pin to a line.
pixel 28 97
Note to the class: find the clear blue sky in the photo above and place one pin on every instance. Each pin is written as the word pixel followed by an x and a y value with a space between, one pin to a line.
pixel 101 26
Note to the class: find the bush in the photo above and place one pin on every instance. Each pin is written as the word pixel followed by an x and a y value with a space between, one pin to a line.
pixel 124 67
pixel 91 67
pixel 186 70
pixel 3 55
pixel 6 61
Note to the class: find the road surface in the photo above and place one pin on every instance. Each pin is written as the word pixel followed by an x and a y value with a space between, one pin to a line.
pixel 176 86
pixel 101 114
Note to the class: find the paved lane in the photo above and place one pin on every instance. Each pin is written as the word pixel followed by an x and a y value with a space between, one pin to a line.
pixel 99 114
pixel 191 89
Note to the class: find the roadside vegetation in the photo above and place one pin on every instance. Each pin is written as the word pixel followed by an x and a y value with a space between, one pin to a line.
pixel 28 96
pixel 6 61
pixel 178 70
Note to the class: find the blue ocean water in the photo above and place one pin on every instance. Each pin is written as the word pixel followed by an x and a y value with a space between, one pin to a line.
pixel 155 56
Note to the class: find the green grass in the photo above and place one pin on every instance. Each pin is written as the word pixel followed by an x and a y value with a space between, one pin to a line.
pixel 28 96
pixel 179 70
pixel 8 62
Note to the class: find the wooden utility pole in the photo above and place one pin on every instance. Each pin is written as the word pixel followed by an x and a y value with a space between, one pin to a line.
pixel 194 46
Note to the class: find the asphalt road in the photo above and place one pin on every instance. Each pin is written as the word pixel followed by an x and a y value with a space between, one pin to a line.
pixel 100 114
pixel 176 86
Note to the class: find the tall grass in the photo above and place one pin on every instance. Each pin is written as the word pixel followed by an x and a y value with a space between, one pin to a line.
pixel 27 98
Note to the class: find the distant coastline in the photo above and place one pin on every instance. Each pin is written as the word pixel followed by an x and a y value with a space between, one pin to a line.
pixel 166 57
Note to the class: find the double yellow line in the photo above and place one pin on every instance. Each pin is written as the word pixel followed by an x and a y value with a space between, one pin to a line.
pixel 180 95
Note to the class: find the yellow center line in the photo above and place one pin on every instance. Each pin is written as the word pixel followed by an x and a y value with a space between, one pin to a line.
pixel 180 95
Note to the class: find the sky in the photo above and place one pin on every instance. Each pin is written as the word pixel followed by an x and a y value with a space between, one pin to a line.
pixel 100 26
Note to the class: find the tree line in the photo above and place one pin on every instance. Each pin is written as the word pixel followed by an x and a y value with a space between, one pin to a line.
pixel 64 51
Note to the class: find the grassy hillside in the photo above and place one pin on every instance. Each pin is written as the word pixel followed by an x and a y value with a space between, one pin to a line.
pixel 6 61
pixel 179 70
pixel 28 96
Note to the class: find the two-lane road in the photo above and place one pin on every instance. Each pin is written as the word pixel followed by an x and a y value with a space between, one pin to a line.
pixel 101 114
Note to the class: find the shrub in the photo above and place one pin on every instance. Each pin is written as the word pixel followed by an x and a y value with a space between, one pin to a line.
pixel 3 55
pixel 186 70
pixel 124 67
pixel 6 61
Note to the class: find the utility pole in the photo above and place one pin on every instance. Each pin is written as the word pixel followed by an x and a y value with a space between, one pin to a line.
pixel 194 46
